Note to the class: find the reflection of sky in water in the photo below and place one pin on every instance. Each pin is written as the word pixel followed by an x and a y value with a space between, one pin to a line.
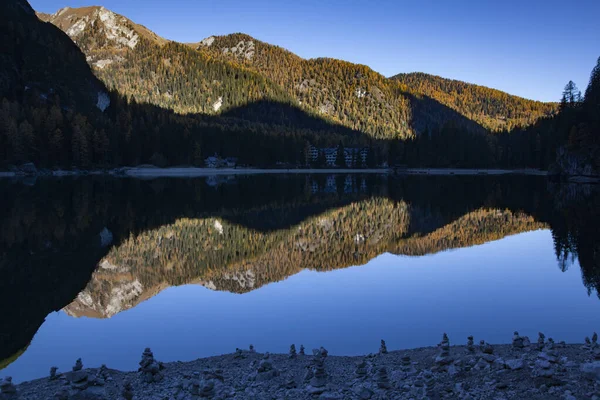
pixel 487 291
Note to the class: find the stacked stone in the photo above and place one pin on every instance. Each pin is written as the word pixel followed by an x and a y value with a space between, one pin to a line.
pixel 382 379
pixel 588 343
pixel 406 365
pixel 319 378
pixel 470 345
pixel 78 365
pixel 301 350
pixel 53 375
pixel 7 388
pixel 443 359
pixel 149 367
pixel 541 341
pixel 127 391
pixel 104 371
pixel 290 382
pixel 595 349
pixel 265 369
pixel 487 349
pixel 238 353
pixel 383 347
pixel 544 366
pixel 293 351
pixel 361 369
pixel 517 341
pixel 78 378
pixel 319 375
pixel 252 349
pixel 323 352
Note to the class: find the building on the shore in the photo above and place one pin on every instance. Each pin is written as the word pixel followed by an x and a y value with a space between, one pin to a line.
pixel 354 156
pixel 217 162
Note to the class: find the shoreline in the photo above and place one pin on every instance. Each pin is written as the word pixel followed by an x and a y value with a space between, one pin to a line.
pixel 540 370
pixel 192 172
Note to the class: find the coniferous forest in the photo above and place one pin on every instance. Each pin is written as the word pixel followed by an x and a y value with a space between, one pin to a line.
pixel 90 100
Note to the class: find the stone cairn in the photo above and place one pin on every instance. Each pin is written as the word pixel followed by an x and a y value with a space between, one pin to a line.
pixel 383 347
pixel 252 349
pixel 78 378
pixel 470 345
pixel 406 365
pixel 487 348
pixel 53 375
pixel 323 352
pixel 361 370
pixel 150 368
pixel 290 382
pixel 265 369
pixel 293 351
pixel 588 343
pixel 127 391
pixel 238 353
pixel 103 372
pixel 319 375
pixel 541 341
pixel 7 388
pixel 443 359
pixel 517 341
pixel 594 348
pixel 301 350
pixel 202 388
pixel 382 379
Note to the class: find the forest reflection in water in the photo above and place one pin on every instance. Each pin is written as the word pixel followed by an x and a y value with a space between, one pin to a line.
pixel 98 247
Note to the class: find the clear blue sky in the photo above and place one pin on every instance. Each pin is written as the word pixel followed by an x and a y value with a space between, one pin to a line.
pixel 530 48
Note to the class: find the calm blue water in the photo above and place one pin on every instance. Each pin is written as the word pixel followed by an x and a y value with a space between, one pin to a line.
pixel 487 291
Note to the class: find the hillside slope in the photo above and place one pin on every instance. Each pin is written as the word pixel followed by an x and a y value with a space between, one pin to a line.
pixel 494 109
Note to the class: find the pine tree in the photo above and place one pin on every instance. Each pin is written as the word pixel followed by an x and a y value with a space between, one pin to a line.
pixel 592 97
pixel 570 94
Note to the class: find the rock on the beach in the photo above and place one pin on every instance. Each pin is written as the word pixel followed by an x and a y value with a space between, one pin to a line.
pixel 591 370
pixel 515 364
pixel 127 391
pixel 301 350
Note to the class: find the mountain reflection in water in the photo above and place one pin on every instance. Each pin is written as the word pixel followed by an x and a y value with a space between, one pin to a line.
pixel 97 247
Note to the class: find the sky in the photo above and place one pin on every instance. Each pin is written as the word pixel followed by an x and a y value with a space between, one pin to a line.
pixel 530 48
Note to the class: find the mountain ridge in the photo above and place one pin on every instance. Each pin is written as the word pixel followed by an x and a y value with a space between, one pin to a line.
pixel 353 95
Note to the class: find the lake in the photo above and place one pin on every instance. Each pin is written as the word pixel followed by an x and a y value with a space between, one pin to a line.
pixel 100 268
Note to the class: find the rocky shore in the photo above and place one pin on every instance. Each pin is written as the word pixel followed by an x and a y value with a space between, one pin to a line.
pixel 542 369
